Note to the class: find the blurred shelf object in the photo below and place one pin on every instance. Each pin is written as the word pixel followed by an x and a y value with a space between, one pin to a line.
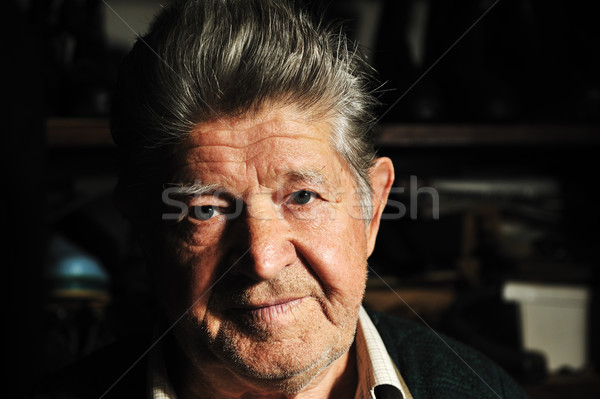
pixel 390 135
pixel 89 132
pixel 422 298
pixel 548 314
pixel 565 385
pixel 78 132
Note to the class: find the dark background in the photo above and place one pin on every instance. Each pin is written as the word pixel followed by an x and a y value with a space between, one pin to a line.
pixel 504 96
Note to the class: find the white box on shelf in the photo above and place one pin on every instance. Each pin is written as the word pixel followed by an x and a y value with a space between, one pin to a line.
pixel 554 321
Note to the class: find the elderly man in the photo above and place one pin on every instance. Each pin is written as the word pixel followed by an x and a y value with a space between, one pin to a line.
pixel 249 178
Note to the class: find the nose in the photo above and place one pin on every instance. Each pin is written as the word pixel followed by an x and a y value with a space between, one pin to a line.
pixel 270 248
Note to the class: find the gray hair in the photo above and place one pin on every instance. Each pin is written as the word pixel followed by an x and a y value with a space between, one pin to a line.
pixel 205 60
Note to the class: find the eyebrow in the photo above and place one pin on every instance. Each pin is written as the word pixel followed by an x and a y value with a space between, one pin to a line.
pixel 196 188
pixel 312 176
pixel 305 175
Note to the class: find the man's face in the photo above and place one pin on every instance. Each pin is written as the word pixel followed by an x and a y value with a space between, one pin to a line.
pixel 269 266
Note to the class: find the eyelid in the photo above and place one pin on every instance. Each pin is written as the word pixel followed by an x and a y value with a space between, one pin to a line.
pixel 229 211
pixel 209 200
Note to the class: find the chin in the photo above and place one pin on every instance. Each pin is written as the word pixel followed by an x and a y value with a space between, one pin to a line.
pixel 270 356
pixel 288 375
pixel 285 365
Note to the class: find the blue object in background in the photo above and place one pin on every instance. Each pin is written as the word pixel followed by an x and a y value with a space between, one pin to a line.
pixel 77 301
pixel 72 272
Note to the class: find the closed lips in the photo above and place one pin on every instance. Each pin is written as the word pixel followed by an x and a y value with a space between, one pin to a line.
pixel 273 310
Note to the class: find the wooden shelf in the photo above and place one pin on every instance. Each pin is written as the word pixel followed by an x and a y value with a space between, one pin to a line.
pixel 583 385
pixel 78 132
pixel 407 135
pixel 91 132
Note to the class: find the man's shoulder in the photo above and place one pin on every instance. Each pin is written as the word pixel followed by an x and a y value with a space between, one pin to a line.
pixel 435 365
pixel 115 371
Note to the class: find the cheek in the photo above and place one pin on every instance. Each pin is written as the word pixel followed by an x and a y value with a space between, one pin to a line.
pixel 335 249
pixel 184 275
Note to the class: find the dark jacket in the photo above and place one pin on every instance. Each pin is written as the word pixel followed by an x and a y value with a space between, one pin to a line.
pixel 432 365
pixel 436 366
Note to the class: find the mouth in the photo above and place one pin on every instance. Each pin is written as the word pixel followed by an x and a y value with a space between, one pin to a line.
pixel 275 311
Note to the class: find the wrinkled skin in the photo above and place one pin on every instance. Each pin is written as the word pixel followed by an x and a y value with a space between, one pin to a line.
pixel 269 267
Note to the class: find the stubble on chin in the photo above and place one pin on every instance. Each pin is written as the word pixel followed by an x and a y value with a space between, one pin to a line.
pixel 284 358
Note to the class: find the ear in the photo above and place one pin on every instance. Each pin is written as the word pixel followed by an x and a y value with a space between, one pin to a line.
pixel 381 175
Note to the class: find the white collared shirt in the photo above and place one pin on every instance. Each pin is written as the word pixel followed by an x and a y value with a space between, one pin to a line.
pixel 374 364
pixel 375 367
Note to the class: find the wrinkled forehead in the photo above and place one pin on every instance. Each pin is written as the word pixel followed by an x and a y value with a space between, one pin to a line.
pixel 243 133
pixel 239 138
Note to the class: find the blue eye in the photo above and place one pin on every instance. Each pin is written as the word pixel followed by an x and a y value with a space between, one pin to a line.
pixel 303 197
pixel 203 212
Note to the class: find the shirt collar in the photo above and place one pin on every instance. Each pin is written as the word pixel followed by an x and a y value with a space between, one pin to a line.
pixel 378 377
pixel 159 385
